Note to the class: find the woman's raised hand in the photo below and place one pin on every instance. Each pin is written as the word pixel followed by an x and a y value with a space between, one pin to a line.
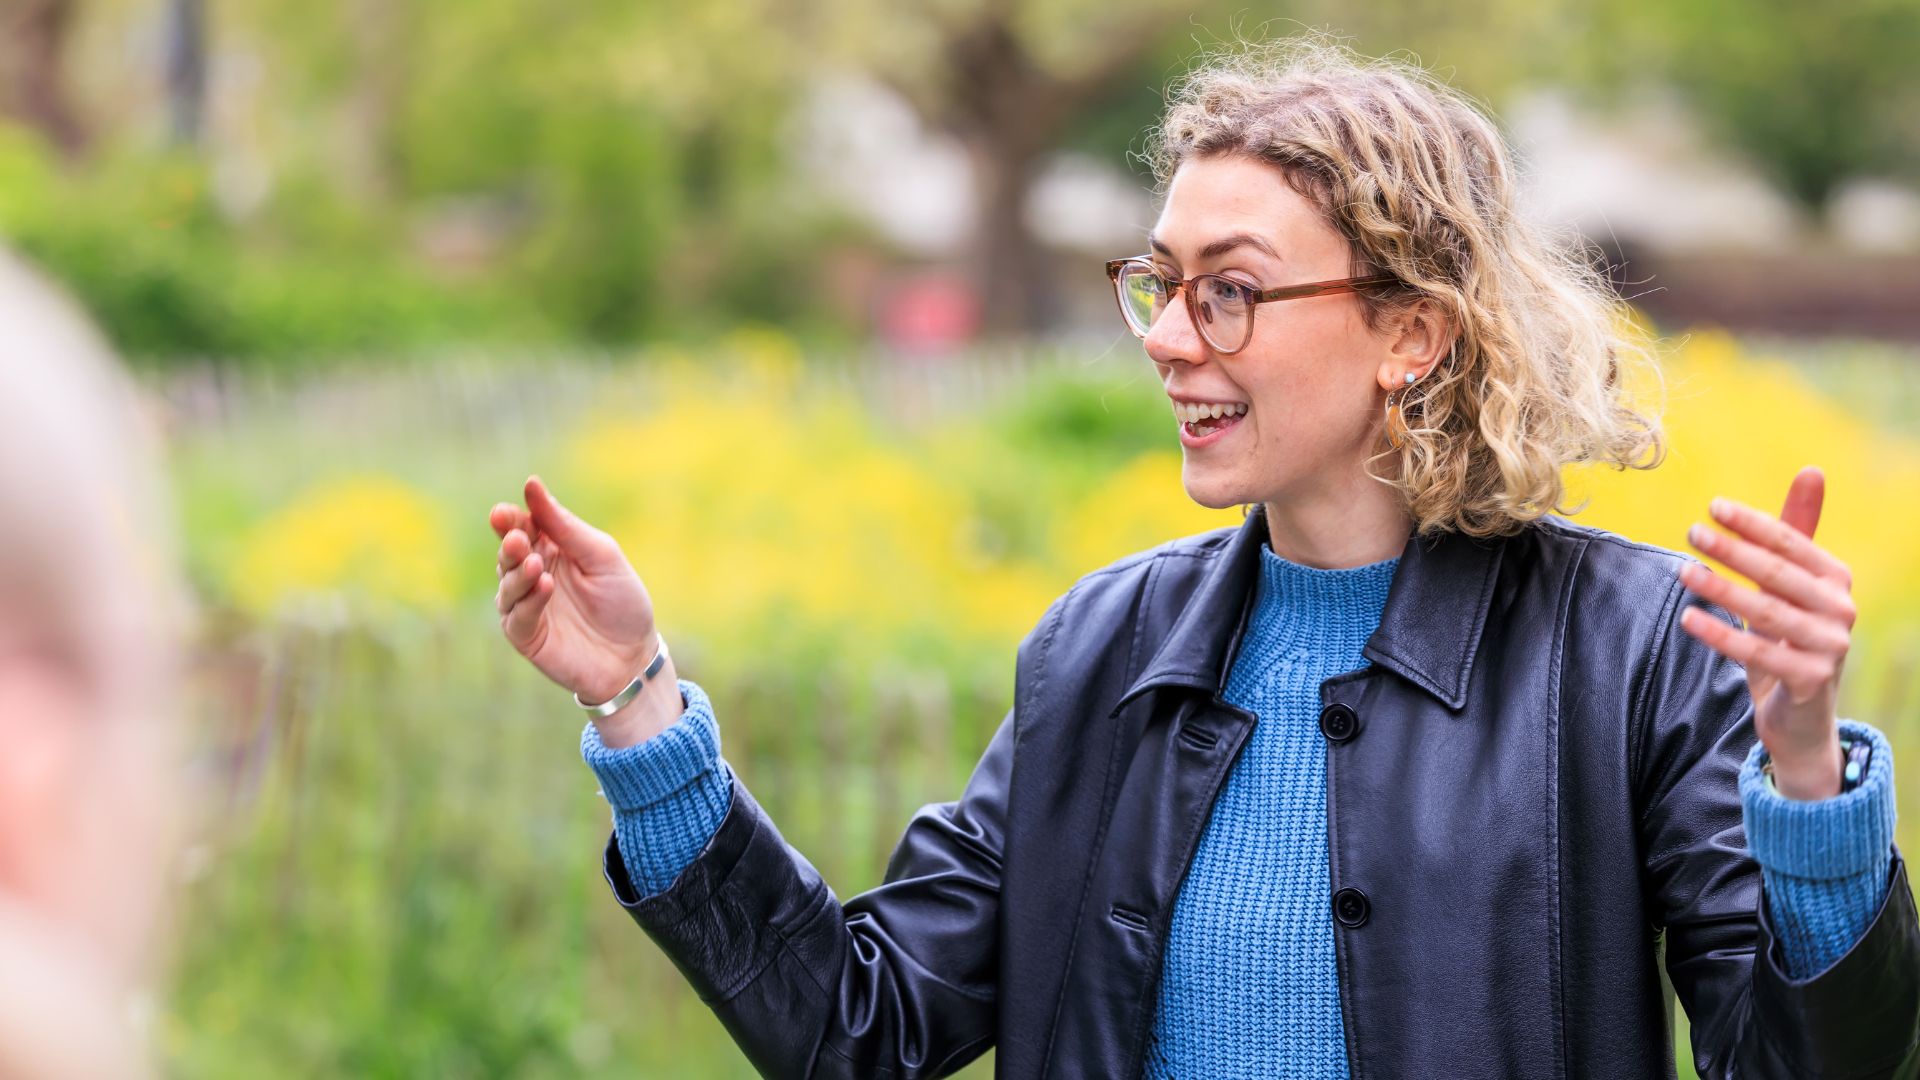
pixel 1800 624
pixel 571 603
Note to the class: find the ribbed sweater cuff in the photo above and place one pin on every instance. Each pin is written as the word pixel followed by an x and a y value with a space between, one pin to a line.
pixel 637 776
pixel 1839 837
pixel 660 841
pixel 669 793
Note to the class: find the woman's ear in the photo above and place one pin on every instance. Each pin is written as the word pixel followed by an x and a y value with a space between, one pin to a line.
pixel 1418 337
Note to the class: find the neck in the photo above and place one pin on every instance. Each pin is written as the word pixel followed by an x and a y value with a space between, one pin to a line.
pixel 1337 529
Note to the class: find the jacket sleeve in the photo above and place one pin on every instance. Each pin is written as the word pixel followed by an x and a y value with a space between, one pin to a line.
pixel 898 981
pixel 1858 1017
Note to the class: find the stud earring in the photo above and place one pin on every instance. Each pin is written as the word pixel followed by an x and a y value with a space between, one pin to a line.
pixel 1393 413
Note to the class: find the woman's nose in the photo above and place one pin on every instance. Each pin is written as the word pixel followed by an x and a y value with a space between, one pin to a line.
pixel 1173 335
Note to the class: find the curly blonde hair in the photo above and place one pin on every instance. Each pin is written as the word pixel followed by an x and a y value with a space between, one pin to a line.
pixel 1422 185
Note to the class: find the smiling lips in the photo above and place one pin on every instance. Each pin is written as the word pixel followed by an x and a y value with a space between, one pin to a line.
pixel 1199 421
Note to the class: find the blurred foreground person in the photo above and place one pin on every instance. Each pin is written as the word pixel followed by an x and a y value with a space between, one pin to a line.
pixel 88 621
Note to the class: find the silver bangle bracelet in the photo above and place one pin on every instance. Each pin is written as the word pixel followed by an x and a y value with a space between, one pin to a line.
pixel 615 703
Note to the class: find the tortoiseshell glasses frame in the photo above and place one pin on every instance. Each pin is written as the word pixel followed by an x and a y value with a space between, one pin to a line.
pixel 1225 306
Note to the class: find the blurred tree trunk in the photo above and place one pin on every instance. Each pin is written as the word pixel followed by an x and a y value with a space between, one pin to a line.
pixel 33 40
pixel 1007 108
pixel 1006 261
pixel 995 106
pixel 372 158
pixel 186 69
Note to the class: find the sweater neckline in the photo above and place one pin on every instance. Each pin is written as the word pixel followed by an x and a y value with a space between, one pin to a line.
pixel 1291 585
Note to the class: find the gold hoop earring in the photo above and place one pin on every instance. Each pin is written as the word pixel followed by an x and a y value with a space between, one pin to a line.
pixel 1393 416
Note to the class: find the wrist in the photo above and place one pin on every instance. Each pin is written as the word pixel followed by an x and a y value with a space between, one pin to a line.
pixel 598 689
pixel 657 706
pixel 1809 776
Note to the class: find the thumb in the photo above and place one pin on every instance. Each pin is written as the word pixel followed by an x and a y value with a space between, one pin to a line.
pixel 583 543
pixel 1804 496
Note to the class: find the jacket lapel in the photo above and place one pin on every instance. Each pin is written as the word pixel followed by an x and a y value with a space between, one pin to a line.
pixel 1436 608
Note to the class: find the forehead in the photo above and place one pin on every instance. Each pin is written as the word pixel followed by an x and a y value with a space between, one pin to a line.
pixel 1213 197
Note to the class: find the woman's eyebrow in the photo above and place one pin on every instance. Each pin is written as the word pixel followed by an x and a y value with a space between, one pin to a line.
pixel 1218 247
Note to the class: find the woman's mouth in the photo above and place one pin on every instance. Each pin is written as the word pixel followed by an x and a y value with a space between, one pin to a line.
pixel 1199 428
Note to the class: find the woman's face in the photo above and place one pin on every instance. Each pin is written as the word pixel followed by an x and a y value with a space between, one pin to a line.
pixel 1310 377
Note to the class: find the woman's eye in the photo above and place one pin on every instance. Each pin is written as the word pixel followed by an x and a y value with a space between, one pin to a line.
pixel 1228 291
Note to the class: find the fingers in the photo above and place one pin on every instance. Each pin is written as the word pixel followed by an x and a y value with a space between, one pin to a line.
pixel 513 548
pixel 523 566
pixel 505 517
pixel 1804 674
pixel 588 546
pixel 521 622
pixel 552 518
pixel 1783 538
pixel 1787 578
pixel 1768 615
pixel 517 582
pixel 525 588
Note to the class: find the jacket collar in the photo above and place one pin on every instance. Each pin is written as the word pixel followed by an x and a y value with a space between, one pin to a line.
pixel 1429 631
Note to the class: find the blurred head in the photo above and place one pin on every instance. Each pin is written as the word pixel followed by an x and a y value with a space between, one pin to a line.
pixel 87 669
pixel 1300 162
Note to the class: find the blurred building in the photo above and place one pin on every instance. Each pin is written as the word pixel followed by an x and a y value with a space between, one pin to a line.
pixel 1691 233
pixel 1694 235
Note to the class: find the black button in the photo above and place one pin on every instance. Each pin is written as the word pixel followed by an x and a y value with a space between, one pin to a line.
pixel 1350 907
pixel 1338 722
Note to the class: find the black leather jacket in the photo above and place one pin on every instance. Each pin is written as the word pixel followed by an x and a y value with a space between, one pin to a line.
pixel 1531 802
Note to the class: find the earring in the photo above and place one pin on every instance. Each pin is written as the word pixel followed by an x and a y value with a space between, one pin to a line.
pixel 1394 415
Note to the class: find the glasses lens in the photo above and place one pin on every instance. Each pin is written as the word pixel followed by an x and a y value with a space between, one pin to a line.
pixel 1223 310
pixel 1143 296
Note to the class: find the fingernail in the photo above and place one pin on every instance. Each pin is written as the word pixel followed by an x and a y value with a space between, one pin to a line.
pixel 1719 508
pixel 1700 535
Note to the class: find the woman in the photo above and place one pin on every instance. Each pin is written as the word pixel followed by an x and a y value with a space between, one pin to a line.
pixel 1403 776
pixel 88 625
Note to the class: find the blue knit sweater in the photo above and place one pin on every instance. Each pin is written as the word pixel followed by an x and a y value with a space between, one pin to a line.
pixel 1248 987
pixel 1258 884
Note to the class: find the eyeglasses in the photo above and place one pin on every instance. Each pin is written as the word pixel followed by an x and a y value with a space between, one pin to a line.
pixel 1221 308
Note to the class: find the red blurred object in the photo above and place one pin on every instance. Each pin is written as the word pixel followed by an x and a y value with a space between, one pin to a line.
pixel 930 312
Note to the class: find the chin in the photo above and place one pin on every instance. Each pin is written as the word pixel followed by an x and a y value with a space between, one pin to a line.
pixel 1215 493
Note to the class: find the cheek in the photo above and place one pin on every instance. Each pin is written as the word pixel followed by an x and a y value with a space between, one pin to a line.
pixel 1299 402
pixel 1313 379
pixel 84 811
pixel 42 725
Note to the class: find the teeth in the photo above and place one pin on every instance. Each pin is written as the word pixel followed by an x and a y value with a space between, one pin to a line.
pixel 1193 414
